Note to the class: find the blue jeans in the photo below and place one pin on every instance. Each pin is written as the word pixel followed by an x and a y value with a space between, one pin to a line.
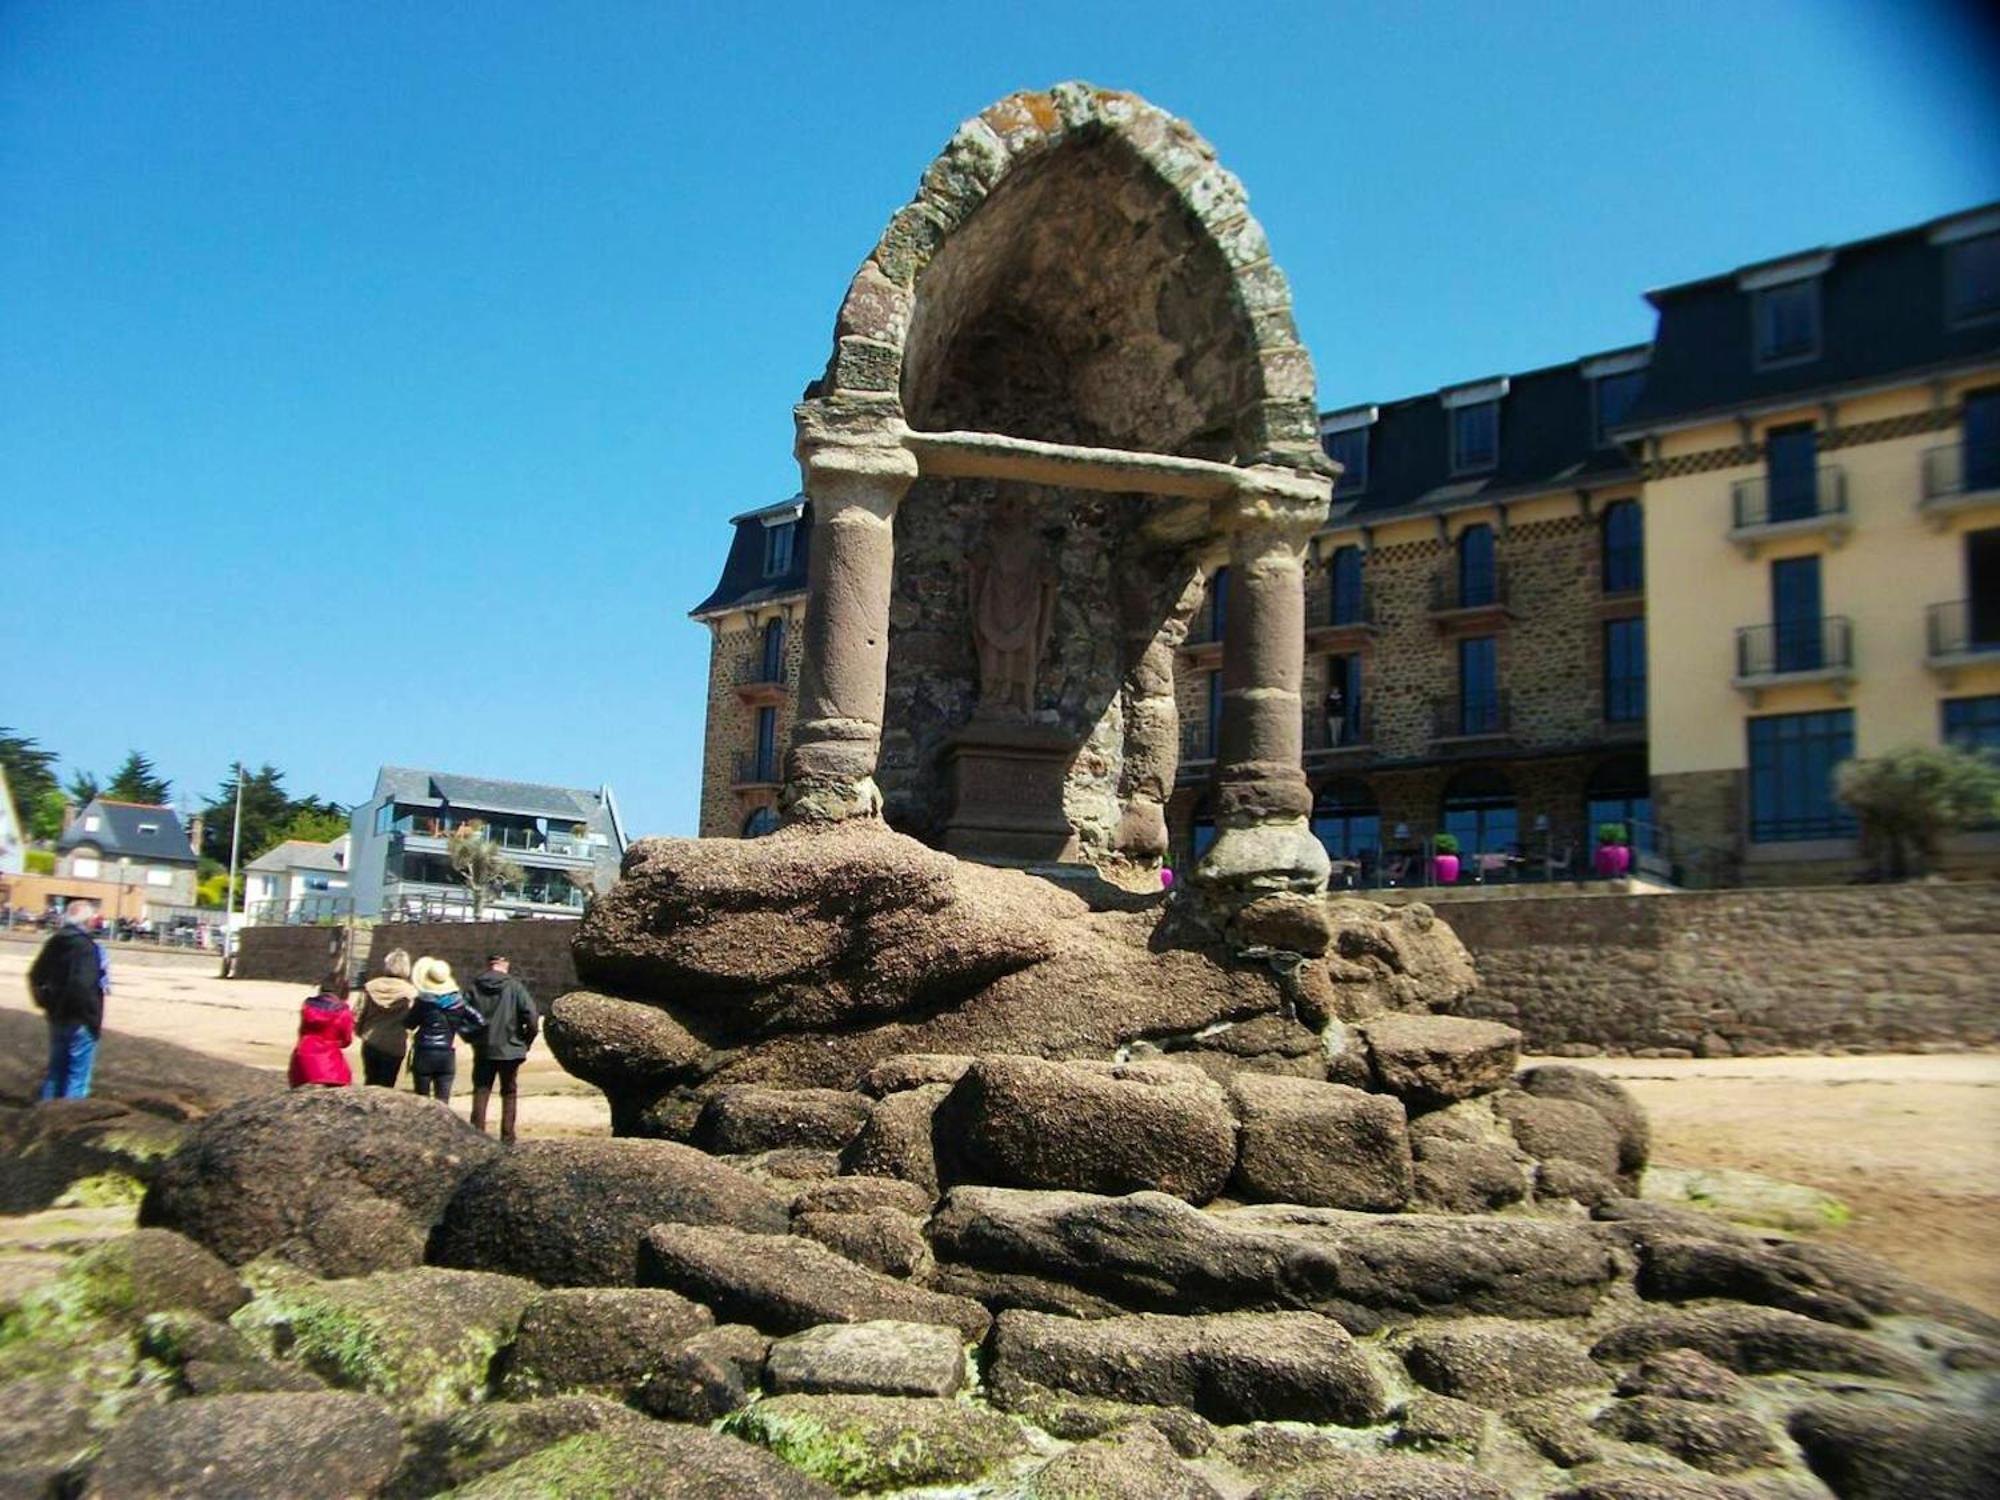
pixel 72 1050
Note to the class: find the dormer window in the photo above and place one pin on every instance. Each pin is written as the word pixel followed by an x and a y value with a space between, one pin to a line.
pixel 778 540
pixel 1784 308
pixel 149 828
pixel 92 823
pixel 1344 436
pixel 1787 322
pixel 1472 416
pixel 1972 279
pixel 1475 437
pixel 1614 395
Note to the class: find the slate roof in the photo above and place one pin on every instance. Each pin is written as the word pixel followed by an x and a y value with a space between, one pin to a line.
pixel 121 831
pixel 1548 442
pixel 417 788
pixel 743 583
pixel 302 854
pixel 1883 314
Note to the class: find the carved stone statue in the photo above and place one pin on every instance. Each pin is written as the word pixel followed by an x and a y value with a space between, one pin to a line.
pixel 1013 610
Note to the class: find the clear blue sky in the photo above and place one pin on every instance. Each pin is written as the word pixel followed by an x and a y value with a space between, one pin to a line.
pixel 375 379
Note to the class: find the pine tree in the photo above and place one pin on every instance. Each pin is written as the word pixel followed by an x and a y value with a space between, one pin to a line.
pixel 138 781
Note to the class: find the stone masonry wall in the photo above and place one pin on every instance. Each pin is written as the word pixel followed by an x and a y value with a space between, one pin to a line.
pixel 538 953
pixel 1743 972
pixel 297 955
pixel 737 648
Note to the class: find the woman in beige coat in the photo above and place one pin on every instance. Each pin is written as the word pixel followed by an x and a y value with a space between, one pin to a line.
pixel 385 1001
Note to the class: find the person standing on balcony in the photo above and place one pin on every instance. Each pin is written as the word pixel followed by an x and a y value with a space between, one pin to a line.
pixel 499 1050
pixel 69 980
pixel 385 1001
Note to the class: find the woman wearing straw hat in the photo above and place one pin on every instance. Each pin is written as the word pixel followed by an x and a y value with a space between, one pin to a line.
pixel 438 1017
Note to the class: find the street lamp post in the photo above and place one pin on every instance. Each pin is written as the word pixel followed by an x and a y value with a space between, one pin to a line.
pixel 229 893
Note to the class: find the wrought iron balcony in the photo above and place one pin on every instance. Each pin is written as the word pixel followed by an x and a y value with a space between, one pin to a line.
pixel 755 769
pixel 1456 592
pixel 1476 716
pixel 1199 741
pixel 1961 474
pixel 1961 632
pixel 1324 738
pixel 758 682
pixel 1794 651
pixel 1761 511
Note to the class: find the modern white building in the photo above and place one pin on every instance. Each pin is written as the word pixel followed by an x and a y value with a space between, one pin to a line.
pixel 567 841
pixel 299 882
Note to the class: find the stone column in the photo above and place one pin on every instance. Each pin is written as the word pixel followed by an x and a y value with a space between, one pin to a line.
pixel 1264 841
pixel 855 472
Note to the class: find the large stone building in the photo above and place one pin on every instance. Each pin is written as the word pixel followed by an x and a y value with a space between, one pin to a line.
pixel 1820 436
pixel 1522 614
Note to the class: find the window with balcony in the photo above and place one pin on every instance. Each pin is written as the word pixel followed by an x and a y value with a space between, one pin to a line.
pixel 1791 473
pixel 1982 440
pixel 1349 607
pixel 1478 567
pixel 1787 321
pixel 1349 449
pixel 1622 539
pixel 1475 437
pixel 1214 713
pixel 1618 792
pixel 1342 705
pixel 1799 643
pixel 1612 396
pixel 778 543
pixel 1479 685
pixel 1982 588
pixel 767 745
pixel 1625 671
pixel 772 662
pixel 1972 278
pixel 1792 760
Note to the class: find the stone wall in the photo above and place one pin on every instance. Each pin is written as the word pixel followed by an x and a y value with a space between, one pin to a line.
pixel 538 952
pixel 298 955
pixel 1744 972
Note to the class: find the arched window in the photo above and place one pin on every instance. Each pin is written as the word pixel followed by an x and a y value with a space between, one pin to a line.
pixel 1619 792
pixel 1218 603
pixel 762 820
pixel 773 662
pixel 1478 567
pixel 1623 534
pixel 1349 606
pixel 1346 821
pixel 1480 812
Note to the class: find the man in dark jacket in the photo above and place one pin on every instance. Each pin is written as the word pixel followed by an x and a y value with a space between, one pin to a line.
pixel 68 979
pixel 497 1053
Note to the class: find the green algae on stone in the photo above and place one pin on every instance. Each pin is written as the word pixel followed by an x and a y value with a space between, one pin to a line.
pixel 655 1461
pixel 105 1190
pixel 424 1338
pixel 864 1443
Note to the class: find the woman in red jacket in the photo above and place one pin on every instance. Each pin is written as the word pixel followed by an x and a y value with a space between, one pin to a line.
pixel 326 1030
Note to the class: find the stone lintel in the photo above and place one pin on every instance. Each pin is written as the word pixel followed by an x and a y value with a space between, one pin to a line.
pixel 992 455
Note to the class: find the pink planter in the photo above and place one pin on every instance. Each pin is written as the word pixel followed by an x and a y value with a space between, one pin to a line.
pixel 1447 869
pixel 1613 860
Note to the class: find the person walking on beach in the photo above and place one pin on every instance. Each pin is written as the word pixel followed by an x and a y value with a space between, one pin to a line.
pixel 437 1016
pixel 385 1001
pixel 326 1031
pixel 69 980
pixel 498 1051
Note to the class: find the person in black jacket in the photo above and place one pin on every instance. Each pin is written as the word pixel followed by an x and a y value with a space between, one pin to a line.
pixel 68 980
pixel 498 1051
pixel 439 1017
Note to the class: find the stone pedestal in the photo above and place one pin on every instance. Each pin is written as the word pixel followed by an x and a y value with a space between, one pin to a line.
pixel 1007 795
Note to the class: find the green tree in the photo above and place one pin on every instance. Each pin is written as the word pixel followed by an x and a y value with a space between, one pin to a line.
pixel 480 864
pixel 82 787
pixel 316 824
pixel 1908 799
pixel 266 811
pixel 45 821
pixel 138 781
pixel 31 779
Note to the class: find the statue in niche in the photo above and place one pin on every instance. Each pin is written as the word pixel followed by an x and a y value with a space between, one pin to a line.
pixel 1013 610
